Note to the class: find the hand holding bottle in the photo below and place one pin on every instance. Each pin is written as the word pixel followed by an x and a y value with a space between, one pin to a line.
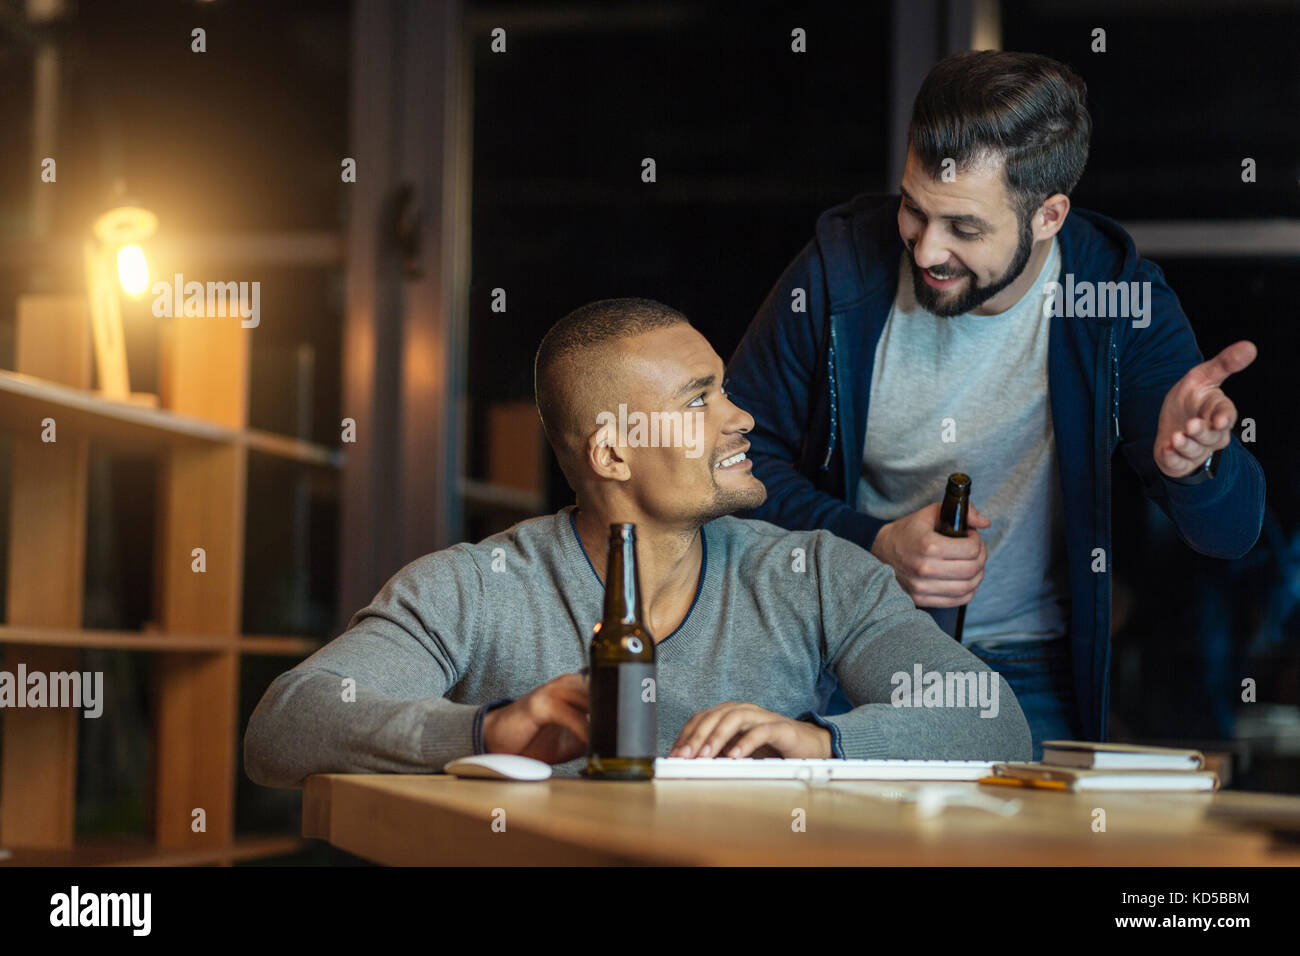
pixel 934 570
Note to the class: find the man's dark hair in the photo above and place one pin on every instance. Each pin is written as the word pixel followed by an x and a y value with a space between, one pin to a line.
pixel 1028 109
pixel 565 354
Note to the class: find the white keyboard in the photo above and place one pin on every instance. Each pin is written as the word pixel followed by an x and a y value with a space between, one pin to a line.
pixel 774 768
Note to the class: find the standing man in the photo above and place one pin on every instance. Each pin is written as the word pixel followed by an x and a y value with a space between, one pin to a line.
pixel 972 324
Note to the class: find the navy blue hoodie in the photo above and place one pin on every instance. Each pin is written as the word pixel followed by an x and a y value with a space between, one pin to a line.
pixel 805 376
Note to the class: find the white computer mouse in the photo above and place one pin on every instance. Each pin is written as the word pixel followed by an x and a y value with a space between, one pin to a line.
pixel 499 767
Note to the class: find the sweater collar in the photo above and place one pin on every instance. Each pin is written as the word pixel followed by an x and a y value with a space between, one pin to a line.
pixel 705 590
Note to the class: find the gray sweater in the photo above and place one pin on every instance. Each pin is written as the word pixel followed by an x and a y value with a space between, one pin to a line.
pixel 405 687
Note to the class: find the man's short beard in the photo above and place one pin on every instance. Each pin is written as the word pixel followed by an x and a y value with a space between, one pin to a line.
pixel 729 501
pixel 931 299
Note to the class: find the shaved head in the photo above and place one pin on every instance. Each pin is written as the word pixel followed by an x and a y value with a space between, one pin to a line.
pixel 579 371
pixel 634 404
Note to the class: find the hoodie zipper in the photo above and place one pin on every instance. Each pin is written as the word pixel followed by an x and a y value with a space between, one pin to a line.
pixel 830 384
pixel 1112 438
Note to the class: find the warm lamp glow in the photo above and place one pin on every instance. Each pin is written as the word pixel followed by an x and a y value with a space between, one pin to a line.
pixel 123 224
pixel 119 229
pixel 132 270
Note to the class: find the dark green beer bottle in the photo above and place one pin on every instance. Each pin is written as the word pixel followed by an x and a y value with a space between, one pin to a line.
pixel 952 523
pixel 621 683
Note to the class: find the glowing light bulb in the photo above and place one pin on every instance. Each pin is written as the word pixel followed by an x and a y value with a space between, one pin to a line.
pixel 132 269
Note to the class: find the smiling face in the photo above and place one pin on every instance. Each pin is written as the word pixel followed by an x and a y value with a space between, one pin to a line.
pixel 968 251
pixel 705 473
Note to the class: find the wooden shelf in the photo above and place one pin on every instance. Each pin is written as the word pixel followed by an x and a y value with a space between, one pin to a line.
pixel 137 851
pixel 202 445
pixel 25 400
pixel 159 641
pixel 293 449
pixel 279 645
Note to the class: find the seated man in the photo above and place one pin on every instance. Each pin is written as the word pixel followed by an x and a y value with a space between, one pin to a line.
pixel 477 648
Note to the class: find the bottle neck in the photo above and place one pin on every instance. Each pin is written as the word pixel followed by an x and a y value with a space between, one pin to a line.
pixel 622 583
pixel 953 513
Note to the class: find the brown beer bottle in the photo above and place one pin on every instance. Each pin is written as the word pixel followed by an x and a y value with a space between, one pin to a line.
pixel 952 523
pixel 624 733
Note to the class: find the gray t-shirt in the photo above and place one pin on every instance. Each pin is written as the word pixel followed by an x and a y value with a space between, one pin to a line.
pixel 969 393
pixel 461 628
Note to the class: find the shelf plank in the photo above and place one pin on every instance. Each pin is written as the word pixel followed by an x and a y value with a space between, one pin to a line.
pixel 286 645
pixel 137 851
pixel 114 640
pixel 47 560
pixel 294 449
pixel 202 371
pixel 25 400
pixel 279 645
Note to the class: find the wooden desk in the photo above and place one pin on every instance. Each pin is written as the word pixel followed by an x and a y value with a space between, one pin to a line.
pixel 439 820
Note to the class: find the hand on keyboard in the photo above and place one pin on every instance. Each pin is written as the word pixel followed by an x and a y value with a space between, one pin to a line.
pixel 740 730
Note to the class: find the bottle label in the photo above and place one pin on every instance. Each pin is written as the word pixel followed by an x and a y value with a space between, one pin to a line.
pixel 622 702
